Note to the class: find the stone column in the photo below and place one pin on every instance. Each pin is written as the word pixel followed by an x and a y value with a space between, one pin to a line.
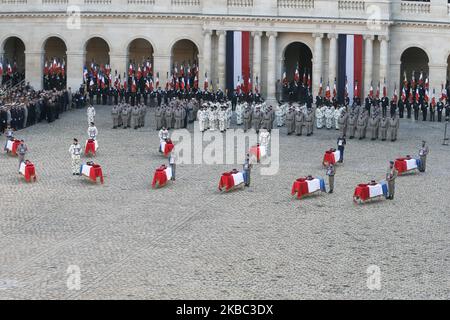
pixel 34 63
pixel 75 64
pixel 206 66
pixel 317 62
pixel 221 60
pixel 332 59
pixel 384 60
pixel 256 57
pixel 368 63
pixel 162 64
pixel 118 61
pixel 437 76
pixel 271 61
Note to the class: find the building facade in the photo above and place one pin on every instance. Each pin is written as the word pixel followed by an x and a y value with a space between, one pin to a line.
pixel 398 37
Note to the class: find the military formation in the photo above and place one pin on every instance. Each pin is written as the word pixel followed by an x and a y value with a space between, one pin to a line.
pixel 22 106
pixel 127 116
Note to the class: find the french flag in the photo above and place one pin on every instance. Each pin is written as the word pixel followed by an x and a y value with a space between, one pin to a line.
pixel 350 63
pixel 237 59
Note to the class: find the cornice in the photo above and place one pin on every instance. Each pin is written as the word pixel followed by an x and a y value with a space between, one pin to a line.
pixel 225 18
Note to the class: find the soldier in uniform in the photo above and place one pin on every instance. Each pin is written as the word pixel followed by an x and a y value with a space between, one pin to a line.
pixel 342 122
pixel 329 117
pixel 22 149
pixel 391 175
pixel 393 126
pixel 432 111
pixel 134 117
pixel 178 118
pixel 373 125
pixel 299 119
pixel 331 171
pixel 91 114
pixel 124 115
pixel 221 115
pixel 168 115
pixel 361 126
pixel 115 116
pixel 256 119
pixel 75 153
pixel 351 123
pixel 290 120
pixel 341 142
pixel 92 131
pixel 384 105
pixel 440 107
pixel 159 114
pixel 247 167
pixel 267 120
pixel 384 125
pixel 247 118
pixel 416 110
pixel 423 152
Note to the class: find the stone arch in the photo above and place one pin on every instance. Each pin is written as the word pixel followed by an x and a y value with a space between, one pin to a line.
pixel 97 51
pixel 13 49
pixel 413 59
pixel 297 53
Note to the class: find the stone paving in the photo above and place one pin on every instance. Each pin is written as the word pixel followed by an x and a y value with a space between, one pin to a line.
pixel 189 241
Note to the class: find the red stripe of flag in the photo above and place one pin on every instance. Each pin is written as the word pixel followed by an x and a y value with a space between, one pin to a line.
pixel 358 61
pixel 245 58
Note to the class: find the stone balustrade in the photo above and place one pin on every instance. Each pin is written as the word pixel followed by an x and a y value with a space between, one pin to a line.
pixel 415 7
pixel 96 2
pixel 141 2
pixel 188 3
pixel 13 2
pixel 302 4
pixel 351 5
pixel 240 3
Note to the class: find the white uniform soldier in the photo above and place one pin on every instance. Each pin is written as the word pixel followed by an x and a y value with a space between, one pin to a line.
pixel 201 121
pixel 240 112
pixel 92 131
pixel 163 134
pixel 222 117
pixel 264 138
pixel 319 118
pixel 212 118
pixel 279 116
pixel 329 117
pixel 91 114
pixel 75 153
pixel 229 114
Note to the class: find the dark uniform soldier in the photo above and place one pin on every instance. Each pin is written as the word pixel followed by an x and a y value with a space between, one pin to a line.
pixel 384 105
pixel 391 175
pixel 432 111
pixel 290 121
pixel 440 107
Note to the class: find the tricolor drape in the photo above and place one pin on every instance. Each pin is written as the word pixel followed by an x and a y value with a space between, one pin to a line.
pixel 350 62
pixel 237 59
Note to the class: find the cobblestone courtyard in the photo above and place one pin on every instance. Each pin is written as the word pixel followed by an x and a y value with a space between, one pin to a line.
pixel 188 241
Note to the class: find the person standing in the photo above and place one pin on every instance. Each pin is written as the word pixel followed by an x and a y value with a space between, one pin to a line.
pixel 172 164
pixel 91 114
pixel 115 116
pixel 423 152
pixel 92 131
pixel 384 125
pixel 331 171
pixel 75 152
pixel 391 175
pixel 21 151
pixel 394 124
pixel 247 167
pixel 341 142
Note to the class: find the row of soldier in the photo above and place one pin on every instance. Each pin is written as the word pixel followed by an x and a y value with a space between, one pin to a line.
pixel 176 114
pixel 126 116
pixel 23 107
